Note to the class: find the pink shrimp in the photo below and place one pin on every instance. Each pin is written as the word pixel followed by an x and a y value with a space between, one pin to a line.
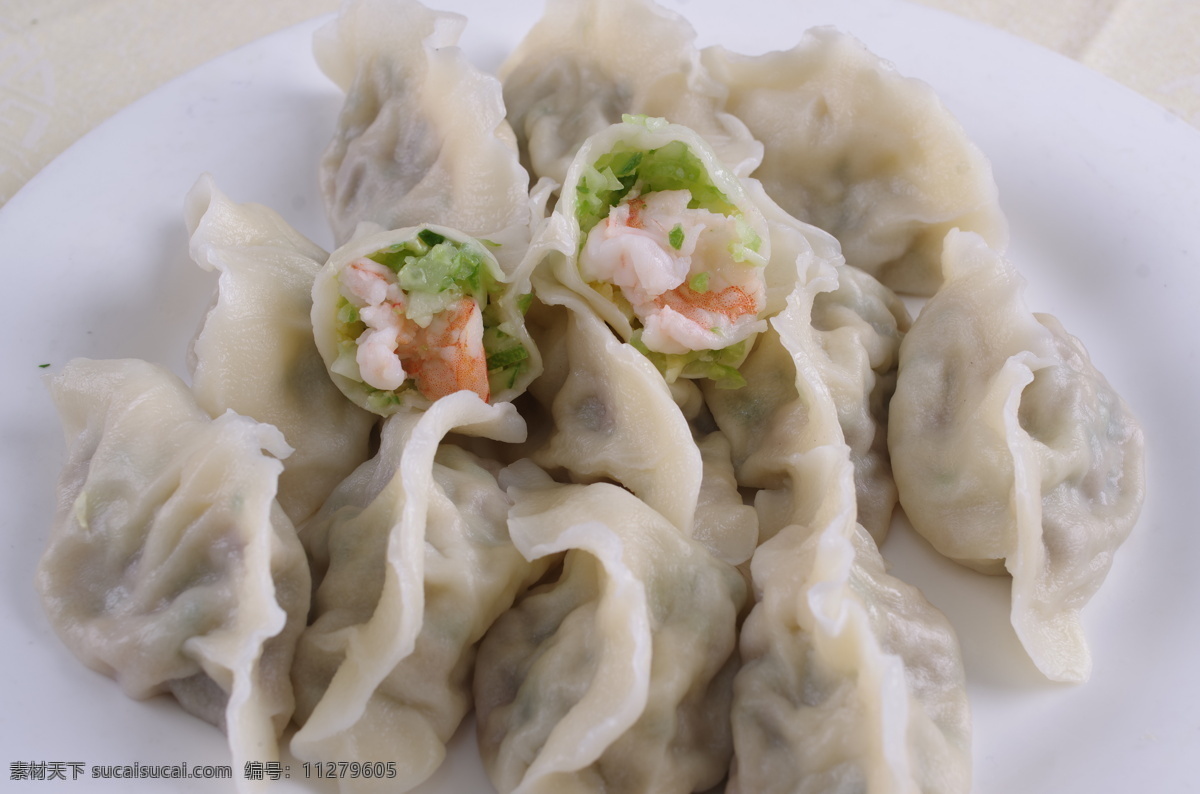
pixel 650 245
pixel 699 307
pixel 448 356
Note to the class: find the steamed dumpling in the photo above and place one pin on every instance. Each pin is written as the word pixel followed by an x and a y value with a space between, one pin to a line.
pixel 665 244
pixel 587 63
pixel 255 353
pixel 614 676
pixel 863 152
pixel 617 407
pixel 1012 453
pixel 414 563
pixel 861 325
pixel 613 418
pixel 405 317
pixel 422 136
pixel 850 679
pixel 171 567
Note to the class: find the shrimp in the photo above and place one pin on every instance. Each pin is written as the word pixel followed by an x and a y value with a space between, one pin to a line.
pixel 443 358
pixel 365 282
pixel 387 329
pixel 650 245
pixel 688 320
pixel 380 301
pixel 448 356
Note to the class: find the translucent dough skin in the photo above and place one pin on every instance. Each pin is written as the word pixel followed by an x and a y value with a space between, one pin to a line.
pixel 1012 453
pixel 170 566
pixel 255 353
pixel 850 680
pixel 422 136
pixel 588 62
pixel 614 677
pixel 414 563
pixel 863 152
pixel 858 324
pixel 614 419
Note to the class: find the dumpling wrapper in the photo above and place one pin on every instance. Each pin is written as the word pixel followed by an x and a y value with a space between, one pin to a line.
pixel 616 675
pixel 586 63
pixel 614 418
pixel 414 562
pixel 255 352
pixel 858 323
pixel 1012 452
pixel 863 152
pixel 422 136
pixel 170 566
pixel 850 679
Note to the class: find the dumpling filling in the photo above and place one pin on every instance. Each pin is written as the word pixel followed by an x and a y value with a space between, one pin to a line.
pixel 675 255
pixel 415 316
pixel 673 265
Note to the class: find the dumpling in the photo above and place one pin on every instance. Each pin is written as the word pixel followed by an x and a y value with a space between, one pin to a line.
pixel 170 566
pixel 255 352
pixel 619 407
pixel 421 137
pixel 665 244
pixel 405 317
pixel 587 63
pixel 1012 453
pixel 615 675
pixel 850 679
pixel 614 419
pixel 414 562
pixel 859 324
pixel 862 152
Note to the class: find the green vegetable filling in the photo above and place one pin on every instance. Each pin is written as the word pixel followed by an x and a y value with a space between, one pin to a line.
pixel 670 167
pixel 719 366
pixel 507 358
pixel 675 238
pixel 436 273
pixel 433 265
pixel 674 166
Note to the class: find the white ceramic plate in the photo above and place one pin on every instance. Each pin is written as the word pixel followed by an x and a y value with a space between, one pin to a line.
pixel 1103 189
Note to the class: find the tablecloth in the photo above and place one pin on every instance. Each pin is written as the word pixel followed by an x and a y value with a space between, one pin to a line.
pixel 66 65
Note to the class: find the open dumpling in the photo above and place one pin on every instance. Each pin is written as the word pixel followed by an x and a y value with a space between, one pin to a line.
pixel 666 245
pixel 405 317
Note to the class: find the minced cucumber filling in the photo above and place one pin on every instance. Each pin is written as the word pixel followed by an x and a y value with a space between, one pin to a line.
pixel 435 274
pixel 719 366
pixel 671 167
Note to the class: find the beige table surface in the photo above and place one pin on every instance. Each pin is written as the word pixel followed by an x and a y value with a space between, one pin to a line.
pixel 47 101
